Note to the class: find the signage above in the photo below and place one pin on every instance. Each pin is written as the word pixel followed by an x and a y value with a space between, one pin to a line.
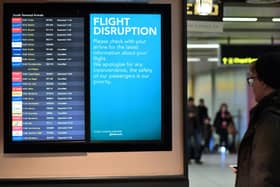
pixel 237 60
pixel 244 54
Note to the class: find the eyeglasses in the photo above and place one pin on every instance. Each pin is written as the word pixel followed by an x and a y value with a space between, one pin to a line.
pixel 250 80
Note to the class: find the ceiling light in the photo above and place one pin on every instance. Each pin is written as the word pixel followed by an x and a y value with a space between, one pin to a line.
pixel 276 19
pixel 212 59
pixel 204 7
pixel 193 60
pixel 239 19
pixel 202 46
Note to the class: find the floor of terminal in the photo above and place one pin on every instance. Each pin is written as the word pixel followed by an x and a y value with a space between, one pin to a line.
pixel 214 172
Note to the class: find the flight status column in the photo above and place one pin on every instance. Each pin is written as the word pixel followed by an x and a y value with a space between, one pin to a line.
pixel 47 78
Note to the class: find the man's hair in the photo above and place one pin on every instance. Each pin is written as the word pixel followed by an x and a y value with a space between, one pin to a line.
pixel 191 99
pixel 267 68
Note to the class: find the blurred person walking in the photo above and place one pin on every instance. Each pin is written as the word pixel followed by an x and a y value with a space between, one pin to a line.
pixel 222 120
pixel 194 130
pixel 202 114
pixel 208 128
pixel 259 151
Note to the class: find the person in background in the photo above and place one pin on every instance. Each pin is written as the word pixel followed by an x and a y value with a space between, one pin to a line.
pixel 202 113
pixel 207 133
pixel 259 150
pixel 232 136
pixel 194 132
pixel 221 122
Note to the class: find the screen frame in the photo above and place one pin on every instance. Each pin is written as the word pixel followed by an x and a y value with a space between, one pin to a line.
pixel 84 9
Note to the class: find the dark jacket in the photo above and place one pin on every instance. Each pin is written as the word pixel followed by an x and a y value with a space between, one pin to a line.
pixel 202 115
pixel 259 151
pixel 192 122
pixel 218 122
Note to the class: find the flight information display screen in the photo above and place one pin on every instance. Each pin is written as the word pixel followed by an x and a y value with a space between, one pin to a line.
pixel 87 77
pixel 47 78
pixel 125 63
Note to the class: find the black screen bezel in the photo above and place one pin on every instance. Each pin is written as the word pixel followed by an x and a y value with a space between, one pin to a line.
pixel 83 10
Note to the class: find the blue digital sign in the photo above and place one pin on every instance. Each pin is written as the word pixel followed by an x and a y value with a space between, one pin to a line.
pixel 125 77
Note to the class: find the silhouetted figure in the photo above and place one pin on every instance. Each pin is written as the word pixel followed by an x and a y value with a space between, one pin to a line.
pixel 208 128
pixel 202 114
pixel 194 130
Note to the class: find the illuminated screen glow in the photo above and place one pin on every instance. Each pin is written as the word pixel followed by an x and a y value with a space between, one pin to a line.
pixel 125 77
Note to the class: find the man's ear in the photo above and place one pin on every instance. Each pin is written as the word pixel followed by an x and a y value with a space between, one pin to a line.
pixel 265 86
